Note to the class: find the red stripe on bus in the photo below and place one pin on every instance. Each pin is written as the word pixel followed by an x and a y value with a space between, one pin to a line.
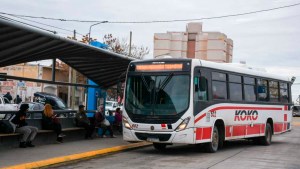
pixel 285 107
pixel 256 129
pixel 227 131
pixel 285 117
pixel 199 118
pixel 206 133
pixel 278 127
pixel 199 133
pixel 239 131
pixel 244 108
pixel 284 126
pixel 203 133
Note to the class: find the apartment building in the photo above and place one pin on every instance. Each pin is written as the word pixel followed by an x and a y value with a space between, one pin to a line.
pixel 194 43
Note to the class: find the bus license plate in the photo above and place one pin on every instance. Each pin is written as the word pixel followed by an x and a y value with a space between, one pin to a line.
pixel 151 139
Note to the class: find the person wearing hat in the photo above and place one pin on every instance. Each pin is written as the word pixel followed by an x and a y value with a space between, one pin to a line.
pixel 83 121
pixel 29 132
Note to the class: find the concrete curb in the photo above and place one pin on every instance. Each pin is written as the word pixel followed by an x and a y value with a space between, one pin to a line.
pixel 74 157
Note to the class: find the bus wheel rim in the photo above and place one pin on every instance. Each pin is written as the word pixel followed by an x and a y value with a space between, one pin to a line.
pixel 215 139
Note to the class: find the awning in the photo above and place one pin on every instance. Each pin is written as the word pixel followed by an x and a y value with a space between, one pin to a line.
pixel 20 44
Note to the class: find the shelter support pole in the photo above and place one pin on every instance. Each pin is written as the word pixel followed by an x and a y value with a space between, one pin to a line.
pixel 53 69
pixel 69 87
pixel 73 89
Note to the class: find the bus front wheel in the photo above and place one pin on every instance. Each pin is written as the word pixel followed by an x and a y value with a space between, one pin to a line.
pixel 213 146
pixel 159 146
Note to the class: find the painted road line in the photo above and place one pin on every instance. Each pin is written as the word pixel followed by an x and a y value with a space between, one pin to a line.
pixel 74 157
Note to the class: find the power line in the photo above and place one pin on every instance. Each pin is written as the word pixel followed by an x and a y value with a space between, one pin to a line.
pixel 155 21
pixel 49 25
pixel 215 17
pixel 13 20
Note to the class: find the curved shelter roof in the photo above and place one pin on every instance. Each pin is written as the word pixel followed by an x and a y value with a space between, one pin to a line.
pixel 19 44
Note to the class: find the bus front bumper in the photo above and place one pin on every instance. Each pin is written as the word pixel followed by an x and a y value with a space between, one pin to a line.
pixel 185 136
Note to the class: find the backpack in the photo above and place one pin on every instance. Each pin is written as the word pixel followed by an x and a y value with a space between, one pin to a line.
pixel 6 127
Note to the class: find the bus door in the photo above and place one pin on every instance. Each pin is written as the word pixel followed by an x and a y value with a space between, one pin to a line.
pixel 201 97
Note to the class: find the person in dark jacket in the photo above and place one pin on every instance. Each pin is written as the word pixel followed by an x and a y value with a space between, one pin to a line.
pixel 8 97
pixel 51 122
pixel 17 100
pixel 83 121
pixel 29 132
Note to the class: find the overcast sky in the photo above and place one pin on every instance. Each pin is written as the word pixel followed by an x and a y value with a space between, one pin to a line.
pixel 268 40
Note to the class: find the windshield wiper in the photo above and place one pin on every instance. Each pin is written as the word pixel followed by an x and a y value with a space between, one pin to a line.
pixel 164 83
pixel 145 83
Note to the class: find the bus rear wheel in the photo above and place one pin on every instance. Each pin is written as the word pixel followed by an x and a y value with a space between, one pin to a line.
pixel 267 139
pixel 213 146
pixel 160 146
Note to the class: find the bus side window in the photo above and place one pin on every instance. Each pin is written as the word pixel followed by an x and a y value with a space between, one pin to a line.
pixel 201 89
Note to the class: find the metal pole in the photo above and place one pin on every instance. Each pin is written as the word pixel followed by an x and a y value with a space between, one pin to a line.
pixel 69 87
pixel 74 34
pixel 91 29
pixel 53 69
pixel 130 39
pixel 73 88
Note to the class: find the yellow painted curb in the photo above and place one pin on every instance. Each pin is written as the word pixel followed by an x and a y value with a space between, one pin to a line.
pixel 62 159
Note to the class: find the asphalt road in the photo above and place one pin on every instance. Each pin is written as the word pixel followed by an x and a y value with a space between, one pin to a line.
pixel 283 153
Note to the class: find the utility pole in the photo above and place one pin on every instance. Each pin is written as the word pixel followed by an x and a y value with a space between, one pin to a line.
pixel 71 97
pixel 130 39
pixel 74 34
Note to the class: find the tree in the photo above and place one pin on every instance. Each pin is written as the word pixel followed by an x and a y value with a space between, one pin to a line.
pixel 122 47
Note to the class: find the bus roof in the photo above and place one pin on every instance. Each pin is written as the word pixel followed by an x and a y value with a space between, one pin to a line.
pixel 231 67
pixel 240 68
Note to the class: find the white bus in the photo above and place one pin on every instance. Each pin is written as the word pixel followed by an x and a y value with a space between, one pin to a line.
pixel 192 101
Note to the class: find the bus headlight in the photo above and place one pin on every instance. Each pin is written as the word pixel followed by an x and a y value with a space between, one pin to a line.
pixel 183 124
pixel 126 124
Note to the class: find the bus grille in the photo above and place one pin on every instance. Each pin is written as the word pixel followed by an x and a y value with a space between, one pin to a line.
pixel 161 137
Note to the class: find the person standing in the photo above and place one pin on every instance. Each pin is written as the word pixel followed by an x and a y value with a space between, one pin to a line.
pixel 83 121
pixel 51 122
pixel 17 100
pixel 29 132
pixel 8 97
pixel 118 119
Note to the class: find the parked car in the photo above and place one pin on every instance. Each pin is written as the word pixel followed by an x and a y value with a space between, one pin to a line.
pixel 34 106
pixel 296 110
pixel 6 106
pixel 56 102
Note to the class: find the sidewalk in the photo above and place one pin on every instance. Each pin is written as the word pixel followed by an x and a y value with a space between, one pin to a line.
pixel 75 150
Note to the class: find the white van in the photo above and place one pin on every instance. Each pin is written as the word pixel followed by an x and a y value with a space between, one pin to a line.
pixel 110 106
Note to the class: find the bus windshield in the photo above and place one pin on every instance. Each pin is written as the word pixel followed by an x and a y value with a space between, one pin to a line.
pixel 157 95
